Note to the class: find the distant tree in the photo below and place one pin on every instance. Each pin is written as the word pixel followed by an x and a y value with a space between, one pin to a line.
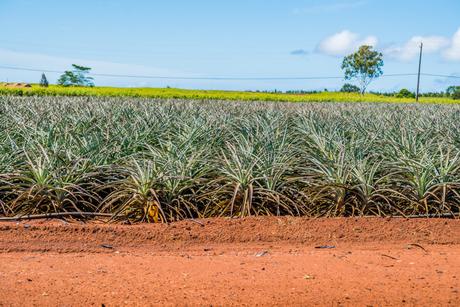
pixel 44 81
pixel 405 93
pixel 68 79
pixel 365 65
pixel 452 89
pixel 456 94
pixel 76 77
pixel 350 88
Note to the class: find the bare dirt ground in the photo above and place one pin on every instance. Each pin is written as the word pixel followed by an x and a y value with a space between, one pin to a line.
pixel 254 261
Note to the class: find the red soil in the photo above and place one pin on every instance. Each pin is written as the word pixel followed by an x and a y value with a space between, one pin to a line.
pixel 255 261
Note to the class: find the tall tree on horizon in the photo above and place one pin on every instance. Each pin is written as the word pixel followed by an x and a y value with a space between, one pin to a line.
pixel 76 77
pixel 43 81
pixel 364 66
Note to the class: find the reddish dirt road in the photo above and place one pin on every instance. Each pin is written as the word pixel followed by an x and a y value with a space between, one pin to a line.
pixel 256 261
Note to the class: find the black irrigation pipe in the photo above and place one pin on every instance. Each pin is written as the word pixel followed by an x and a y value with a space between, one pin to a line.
pixel 67 214
pixel 442 215
pixel 54 215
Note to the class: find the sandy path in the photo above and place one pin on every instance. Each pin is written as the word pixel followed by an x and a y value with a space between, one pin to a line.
pixel 56 264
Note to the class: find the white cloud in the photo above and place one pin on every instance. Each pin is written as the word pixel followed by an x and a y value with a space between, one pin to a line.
pixel 453 52
pixel 344 42
pixel 410 50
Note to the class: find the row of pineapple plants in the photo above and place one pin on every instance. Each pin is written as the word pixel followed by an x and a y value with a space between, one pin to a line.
pixel 164 160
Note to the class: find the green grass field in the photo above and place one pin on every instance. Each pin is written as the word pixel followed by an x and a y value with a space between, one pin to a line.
pixel 173 93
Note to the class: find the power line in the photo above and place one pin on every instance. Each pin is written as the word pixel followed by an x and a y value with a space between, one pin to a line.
pixel 399 75
pixel 442 76
pixel 31 69
pixel 215 78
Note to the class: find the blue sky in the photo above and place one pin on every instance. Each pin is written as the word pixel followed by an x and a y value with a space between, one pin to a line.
pixel 238 38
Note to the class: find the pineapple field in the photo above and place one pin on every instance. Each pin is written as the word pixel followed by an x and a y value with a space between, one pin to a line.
pixel 164 160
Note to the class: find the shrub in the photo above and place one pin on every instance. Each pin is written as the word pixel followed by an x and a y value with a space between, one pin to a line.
pixel 452 89
pixel 405 93
pixel 350 88
pixel 456 95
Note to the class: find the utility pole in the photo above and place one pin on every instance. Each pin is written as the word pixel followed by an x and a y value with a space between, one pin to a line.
pixel 419 70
